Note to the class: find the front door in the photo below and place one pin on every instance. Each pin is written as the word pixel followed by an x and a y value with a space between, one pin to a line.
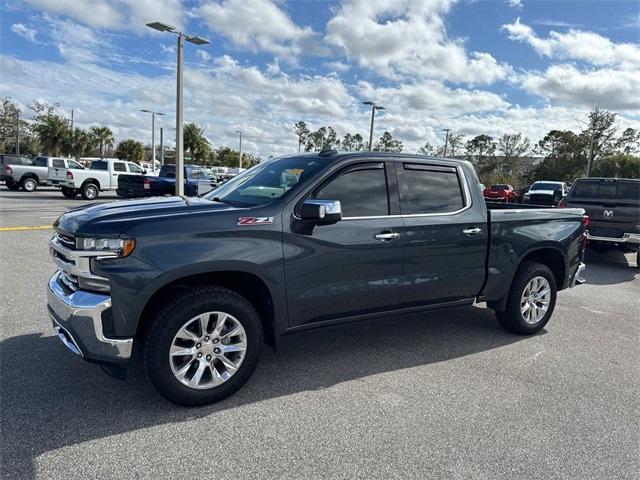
pixel 354 266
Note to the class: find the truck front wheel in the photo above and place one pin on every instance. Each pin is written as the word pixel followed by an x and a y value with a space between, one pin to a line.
pixel 202 346
pixel 531 301
pixel 89 191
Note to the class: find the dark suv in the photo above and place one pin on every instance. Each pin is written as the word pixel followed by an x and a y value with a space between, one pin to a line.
pixel 613 206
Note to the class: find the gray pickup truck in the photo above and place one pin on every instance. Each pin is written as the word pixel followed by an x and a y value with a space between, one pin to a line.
pixel 36 173
pixel 196 284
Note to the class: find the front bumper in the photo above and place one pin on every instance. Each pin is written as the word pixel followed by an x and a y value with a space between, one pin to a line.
pixel 627 238
pixel 77 320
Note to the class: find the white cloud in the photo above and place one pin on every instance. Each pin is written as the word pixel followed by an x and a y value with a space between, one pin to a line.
pixel 577 45
pixel 608 88
pixel 114 14
pixel 337 66
pixel 203 55
pixel 515 3
pixel 24 31
pixel 407 38
pixel 257 25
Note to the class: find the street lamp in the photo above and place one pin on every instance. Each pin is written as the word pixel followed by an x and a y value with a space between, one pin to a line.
pixel 153 137
pixel 163 27
pixel 240 158
pixel 374 107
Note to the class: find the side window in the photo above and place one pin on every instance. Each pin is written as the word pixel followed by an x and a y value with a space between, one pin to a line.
pixel 362 191
pixel 119 167
pixel 57 163
pixel 134 168
pixel 40 162
pixel 430 189
pixel 74 165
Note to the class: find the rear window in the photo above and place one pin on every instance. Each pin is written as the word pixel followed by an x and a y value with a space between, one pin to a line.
pixel 607 189
pixel 99 165
pixel 40 162
pixel 546 186
pixel 497 188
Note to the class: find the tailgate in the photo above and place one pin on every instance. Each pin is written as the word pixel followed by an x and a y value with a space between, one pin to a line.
pixel 132 184
pixel 58 174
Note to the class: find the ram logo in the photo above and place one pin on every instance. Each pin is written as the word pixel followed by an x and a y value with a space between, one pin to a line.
pixel 608 214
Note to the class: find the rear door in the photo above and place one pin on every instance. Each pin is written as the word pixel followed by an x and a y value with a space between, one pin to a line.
pixel 445 239
pixel 352 267
pixel 613 205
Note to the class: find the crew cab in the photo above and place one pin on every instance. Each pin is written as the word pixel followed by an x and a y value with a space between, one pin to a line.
pixel 545 193
pixel 500 193
pixel 101 175
pixel 197 181
pixel 297 242
pixel 30 177
pixel 613 205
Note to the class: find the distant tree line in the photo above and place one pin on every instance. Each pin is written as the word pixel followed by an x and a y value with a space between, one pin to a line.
pixel 51 133
pixel 327 138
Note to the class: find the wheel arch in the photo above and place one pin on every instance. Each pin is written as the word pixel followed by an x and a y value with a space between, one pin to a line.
pixel 32 175
pixel 91 180
pixel 246 283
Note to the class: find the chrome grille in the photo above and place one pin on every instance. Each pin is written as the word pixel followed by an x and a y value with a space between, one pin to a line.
pixel 69 281
pixel 66 240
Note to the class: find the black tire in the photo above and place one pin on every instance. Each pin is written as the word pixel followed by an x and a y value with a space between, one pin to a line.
pixel 29 184
pixel 512 318
pixel 12 186
pixel 172 316
pixel 90 191
pixel 69 192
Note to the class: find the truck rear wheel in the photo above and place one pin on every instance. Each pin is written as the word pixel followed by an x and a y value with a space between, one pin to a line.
pixel 29 184
pixel 69 192
pixel 202 346
pixel 532 299
pixel 90 191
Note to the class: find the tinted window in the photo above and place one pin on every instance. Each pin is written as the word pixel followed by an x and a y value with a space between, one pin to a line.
pixel 99 165
pixel 57 163
pixel 119 167
pixel 546 186
pixel 431 191
pixel 168 171
pixel 40 162
pixel 607 190
pixel 498 188
pixel 362 192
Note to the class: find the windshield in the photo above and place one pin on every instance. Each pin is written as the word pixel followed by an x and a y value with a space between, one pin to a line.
pixel 546 186
pixel 266 181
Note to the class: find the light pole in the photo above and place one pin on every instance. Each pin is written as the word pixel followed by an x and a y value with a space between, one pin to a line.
pixel 153 137
pixel 163 27
pixel 446 140
pixel 161 147
pixel 240 157
pixel 374 107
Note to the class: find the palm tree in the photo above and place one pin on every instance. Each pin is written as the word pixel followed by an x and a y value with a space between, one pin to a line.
pixel 130 149
pixel 195 142
pixel 103 136
pixel 52 131
pixel 78 143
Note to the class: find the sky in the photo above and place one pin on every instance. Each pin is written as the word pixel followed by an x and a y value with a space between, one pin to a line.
pixel 473 66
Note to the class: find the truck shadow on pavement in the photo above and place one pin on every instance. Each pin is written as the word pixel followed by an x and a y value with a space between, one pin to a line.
pixel 609 269
pixel 51 399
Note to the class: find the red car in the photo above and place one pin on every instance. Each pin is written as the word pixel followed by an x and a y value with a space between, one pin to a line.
pixel 500 193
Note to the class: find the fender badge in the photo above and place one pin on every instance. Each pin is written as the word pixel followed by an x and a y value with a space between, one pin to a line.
pixel 255 220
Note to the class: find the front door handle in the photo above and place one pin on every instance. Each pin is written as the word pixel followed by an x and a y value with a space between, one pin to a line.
pixel 385 237
pixel 471 231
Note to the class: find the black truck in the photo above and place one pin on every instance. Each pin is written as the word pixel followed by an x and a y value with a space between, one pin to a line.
pixel 197 285
pixel 196 182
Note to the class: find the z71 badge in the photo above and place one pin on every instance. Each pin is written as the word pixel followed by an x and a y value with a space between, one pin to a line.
pixel 255 220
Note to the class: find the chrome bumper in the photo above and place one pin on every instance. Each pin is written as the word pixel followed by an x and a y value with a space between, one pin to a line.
pixel 77 320
pixel 577 278
pixel 632 238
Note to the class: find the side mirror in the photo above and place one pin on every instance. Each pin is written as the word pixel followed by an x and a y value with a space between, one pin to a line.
pixel 321 212
pixel 144 172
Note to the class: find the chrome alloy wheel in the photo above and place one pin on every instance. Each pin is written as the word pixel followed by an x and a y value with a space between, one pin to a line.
pixel 535 300
pixel 208 350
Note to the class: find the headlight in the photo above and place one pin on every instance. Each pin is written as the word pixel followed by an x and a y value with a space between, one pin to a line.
pixel 122 246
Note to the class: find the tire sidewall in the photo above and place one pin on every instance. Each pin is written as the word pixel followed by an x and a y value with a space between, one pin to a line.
pixel 87 188
pixel 156 354
pixel 512 316
pixel 33 185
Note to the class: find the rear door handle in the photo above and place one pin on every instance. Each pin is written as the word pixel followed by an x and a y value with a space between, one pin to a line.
pixel 471 231
pixel 387 236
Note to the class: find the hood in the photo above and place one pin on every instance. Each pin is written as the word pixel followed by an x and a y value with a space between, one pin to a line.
pixel 540 192
pixel 113 218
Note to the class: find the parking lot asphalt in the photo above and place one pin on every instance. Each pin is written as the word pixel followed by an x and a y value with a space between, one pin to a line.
pixel 439 395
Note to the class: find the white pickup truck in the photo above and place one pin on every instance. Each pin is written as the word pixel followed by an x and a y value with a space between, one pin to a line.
pixel 101 175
